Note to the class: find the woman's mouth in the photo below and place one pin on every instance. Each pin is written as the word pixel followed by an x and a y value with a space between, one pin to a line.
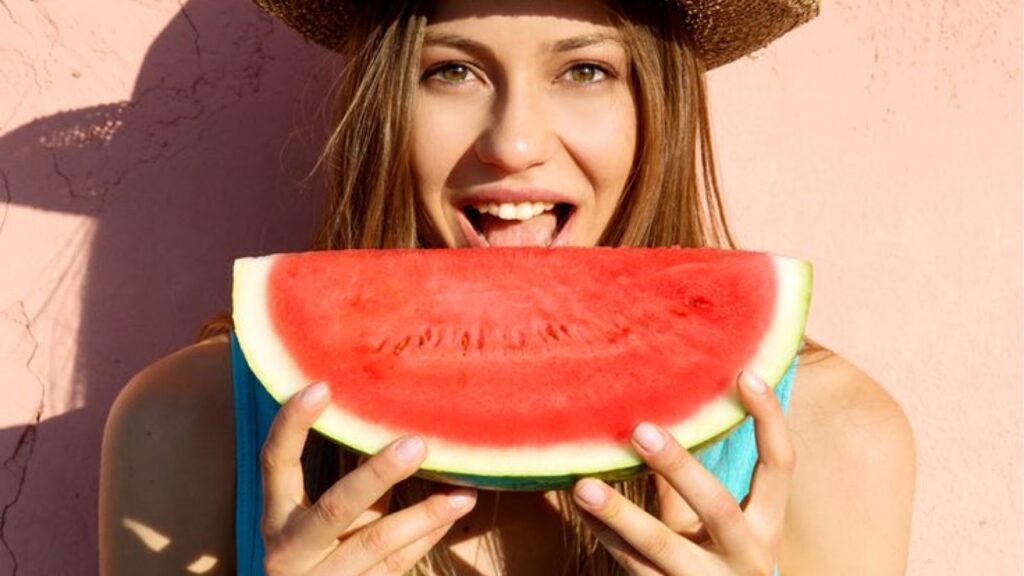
pixel 541 224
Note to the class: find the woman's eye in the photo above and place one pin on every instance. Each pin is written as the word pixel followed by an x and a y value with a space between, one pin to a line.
pixel 587 73
pixel 452 73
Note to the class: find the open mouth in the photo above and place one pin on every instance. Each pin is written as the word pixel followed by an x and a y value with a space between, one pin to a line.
pixel 542 224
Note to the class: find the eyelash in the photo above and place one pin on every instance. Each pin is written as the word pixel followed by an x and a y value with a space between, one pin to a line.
pixel 605 72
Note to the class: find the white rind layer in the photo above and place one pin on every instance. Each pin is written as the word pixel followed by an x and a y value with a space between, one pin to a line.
pixel 275 368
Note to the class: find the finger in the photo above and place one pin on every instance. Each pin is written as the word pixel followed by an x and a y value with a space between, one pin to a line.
pixel 370 515
pixel 378 541
pixel 403 561
pixel 378 509
pixel 718 510
pixel 644 533
pixel 280 463
pixel 623 553
pixel 333 514
pixel 776 458
pixel 676 513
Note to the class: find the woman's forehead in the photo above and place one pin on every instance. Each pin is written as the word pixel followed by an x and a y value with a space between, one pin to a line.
pixel 570 13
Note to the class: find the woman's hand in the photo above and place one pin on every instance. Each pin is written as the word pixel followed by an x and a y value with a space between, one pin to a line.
pixel 346 531
pixel 702 529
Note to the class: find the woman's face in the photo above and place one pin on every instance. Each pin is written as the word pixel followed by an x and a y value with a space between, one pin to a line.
pixel 524 128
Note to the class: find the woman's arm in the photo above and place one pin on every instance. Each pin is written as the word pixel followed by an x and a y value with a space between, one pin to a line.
pixel 167 469
pixel 852 492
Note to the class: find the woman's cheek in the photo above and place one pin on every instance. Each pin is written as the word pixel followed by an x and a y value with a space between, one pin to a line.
pixel 440 138
pixel 442 134
pixel 429 144
pixel 602 137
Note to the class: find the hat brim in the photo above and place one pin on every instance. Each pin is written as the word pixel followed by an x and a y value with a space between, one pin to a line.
pixel 722 30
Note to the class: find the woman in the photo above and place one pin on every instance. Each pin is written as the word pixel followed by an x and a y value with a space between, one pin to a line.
pixel 444 108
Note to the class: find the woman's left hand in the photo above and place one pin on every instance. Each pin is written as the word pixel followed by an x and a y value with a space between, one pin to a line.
pixel 702 530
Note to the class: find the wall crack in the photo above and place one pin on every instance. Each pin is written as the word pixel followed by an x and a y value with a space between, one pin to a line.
pixel 195 31
pixel 17 463
pixel 8 10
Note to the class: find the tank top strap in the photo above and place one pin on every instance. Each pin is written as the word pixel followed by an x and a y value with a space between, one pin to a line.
pixel 255 409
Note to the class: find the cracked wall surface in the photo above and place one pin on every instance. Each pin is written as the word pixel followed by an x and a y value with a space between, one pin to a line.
pixel 144 145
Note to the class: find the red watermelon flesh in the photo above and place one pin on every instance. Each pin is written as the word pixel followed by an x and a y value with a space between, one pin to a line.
pixel 502 352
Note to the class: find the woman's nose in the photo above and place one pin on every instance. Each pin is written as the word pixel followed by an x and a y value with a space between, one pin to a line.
pixel 519 135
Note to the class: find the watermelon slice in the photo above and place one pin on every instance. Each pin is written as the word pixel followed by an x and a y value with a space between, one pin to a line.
pixel 523 368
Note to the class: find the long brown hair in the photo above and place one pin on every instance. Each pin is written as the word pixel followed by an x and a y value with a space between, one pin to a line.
pixel 672 197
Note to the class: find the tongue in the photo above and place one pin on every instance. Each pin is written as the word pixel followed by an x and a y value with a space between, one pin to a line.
pixel 537 231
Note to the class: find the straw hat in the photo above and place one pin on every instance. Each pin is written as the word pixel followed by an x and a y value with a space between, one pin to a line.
pixel 723 30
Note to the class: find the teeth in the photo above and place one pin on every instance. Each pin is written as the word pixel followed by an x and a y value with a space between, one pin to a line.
pixel 510 211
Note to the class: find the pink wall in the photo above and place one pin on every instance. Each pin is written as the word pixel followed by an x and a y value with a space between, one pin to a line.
pixel 143 147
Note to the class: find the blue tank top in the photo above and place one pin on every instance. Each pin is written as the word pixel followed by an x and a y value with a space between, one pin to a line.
pixel 730 459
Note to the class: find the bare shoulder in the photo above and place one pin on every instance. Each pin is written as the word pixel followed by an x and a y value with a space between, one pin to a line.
pixel 167 467
pixel 829 390
pixel 852 493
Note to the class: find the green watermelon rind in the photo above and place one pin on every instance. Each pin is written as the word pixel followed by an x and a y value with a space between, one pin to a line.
pixel 522 468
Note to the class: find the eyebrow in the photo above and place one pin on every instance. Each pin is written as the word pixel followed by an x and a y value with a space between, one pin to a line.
pixel 473 47
pixel 582 41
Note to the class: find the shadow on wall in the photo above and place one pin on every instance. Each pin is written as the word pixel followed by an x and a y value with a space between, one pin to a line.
pixel 204 164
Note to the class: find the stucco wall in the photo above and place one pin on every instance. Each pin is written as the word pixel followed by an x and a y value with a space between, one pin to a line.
pixel 144 145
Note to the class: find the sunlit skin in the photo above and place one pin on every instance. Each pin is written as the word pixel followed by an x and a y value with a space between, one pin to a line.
pixel 516 100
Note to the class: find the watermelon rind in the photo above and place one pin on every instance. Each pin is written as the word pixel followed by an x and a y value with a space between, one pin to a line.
pixel 521 468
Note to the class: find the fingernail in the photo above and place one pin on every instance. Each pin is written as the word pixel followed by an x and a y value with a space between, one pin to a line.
pixel 649 437
pixel 409 449
pixel 753 382
pixel 314 394
pixel 460 498
pixel 590 492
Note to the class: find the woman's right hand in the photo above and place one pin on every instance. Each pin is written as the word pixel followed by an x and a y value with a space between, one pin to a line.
pixel 346 531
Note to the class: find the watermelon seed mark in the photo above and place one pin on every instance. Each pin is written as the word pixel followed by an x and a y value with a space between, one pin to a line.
pixel 465 342
pixel 698 302
pixel 401 345
pixel 617 334
pixel 551 331
pixel 508 340
pixel 564 330
pixel 520 340
pixel 380 347
pixel 423 341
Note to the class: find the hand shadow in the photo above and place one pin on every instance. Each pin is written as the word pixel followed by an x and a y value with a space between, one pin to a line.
pixel 204 163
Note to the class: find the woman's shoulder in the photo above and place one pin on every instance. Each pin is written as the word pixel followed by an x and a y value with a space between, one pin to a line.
pixel 196 374
pixel 831 392
pixel 851 496
pixel 185 393
pixel 167 470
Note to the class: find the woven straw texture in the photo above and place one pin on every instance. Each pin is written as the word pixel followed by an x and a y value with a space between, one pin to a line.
pixel 723 30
